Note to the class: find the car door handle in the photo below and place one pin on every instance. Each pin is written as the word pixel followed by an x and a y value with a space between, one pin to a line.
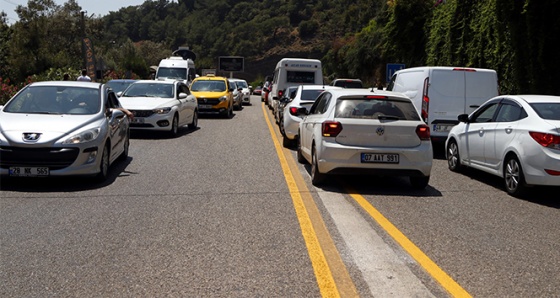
pixel 509 130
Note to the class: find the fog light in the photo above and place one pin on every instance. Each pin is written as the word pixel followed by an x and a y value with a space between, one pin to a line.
pixel 163 123
pixel 91 157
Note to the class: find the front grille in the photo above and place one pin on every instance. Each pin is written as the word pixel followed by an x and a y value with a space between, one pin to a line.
pixel 53 158
pixel 208 101
pixel 142 113
pixel 141 125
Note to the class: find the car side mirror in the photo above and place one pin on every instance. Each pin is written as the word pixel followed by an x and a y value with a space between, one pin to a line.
pixel 463 118
pixel 301 112
pixel 230 89
pixel 119 94
pixel 182 95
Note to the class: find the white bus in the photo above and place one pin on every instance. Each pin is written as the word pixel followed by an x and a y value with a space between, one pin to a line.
pixel 294 72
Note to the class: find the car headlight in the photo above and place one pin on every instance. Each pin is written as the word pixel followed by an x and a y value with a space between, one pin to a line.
pixel 83 137
pixel 223 98
pixel 162 110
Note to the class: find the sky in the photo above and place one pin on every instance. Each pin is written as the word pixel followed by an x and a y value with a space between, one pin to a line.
pixel 98 7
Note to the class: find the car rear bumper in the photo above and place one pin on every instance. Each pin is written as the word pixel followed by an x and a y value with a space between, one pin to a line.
pixel 335 158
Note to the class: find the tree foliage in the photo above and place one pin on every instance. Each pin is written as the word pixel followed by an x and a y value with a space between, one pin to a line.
pixel 353 39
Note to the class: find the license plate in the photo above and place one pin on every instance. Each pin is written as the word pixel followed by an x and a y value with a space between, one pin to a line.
pixel 138 120
pixel 28 171
pixel 441 127
pixel 205 106
pixel 380 158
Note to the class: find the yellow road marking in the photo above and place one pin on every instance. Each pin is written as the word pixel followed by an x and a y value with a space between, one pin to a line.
pixel 323 254
pixel 430 266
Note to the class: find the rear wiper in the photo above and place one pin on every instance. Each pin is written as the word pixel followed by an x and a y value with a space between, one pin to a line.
pixel 388 117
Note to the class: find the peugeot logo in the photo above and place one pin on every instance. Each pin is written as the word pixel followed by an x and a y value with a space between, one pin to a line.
pixel 380 131
pixel 31 136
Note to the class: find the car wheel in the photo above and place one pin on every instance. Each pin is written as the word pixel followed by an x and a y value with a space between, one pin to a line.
pixel 514 180
pixel 453 158
pixel 419 182
pixel 317 178
pixel 300 157
pixel 124 154
pixel 103 165
pixel 229 113
pixel 194 123
pixel 174 127
pixel 287 143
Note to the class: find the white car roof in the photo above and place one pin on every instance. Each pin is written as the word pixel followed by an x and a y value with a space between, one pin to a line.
pixel 530 98
pixel 318 87
pixel 365 92
pixel 68 83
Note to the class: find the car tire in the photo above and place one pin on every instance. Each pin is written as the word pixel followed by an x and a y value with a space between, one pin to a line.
pixel 514 180
pixel 229 112
pixel 300 158
pixel 453 157
pixel 103 165
pixel 124 154
pixel 174 126
pixel 281 126
pixel 317 178
pixel 194 123
pixel 419 182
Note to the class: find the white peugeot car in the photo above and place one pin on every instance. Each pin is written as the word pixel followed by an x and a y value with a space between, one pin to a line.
pixel 62 128
pixel 516 137
pixel 360 131
pixel 160 105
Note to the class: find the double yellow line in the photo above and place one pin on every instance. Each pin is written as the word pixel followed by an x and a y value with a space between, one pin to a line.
pixel 332 276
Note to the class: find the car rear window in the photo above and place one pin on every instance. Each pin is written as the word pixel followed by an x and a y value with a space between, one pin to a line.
pixel 304 77
pixel 310 95
pixel 365 108
pixel 548 111
pixel 349 84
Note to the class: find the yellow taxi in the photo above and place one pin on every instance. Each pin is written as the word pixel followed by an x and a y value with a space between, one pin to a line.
pixel 214 94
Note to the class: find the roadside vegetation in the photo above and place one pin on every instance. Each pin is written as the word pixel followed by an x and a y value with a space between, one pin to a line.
pixel 358 39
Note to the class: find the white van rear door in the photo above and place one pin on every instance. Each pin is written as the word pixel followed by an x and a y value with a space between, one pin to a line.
pixel 447 95
pixel 481 85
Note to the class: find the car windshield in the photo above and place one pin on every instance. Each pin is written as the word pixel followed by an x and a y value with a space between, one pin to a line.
pixel 310 95
pixel 55 100
pixel 149 90
pixel 172 73
pixel 375 109
pixel 118 86
pixel 208 86
pixel 548 111
pixel 242 84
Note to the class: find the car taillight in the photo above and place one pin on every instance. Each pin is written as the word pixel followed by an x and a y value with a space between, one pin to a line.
pixel 546 139
pixel 293 111
pixel 423 132
pixel 425 101
pixel 331 128
pixel 280 93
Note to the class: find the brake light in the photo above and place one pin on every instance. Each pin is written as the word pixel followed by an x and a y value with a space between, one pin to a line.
pixel 331 128
pixel 464 69
pixel 425 101
pixel 423 132
pixel 293 111
pixel 546 139
pixel 376 97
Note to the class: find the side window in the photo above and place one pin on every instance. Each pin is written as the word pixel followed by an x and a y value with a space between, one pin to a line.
pixel 321 104
pixel 509 112
pixel 392 83
pixel 486 114
pixel 112 101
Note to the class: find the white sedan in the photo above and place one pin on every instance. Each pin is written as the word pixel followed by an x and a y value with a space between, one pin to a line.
pixel 305 96
pixel 160 105
pixel 516 137
pixel 359 131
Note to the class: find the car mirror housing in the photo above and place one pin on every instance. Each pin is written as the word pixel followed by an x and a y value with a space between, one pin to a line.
pixel 302 112
pixel 463 118
pixel 182 95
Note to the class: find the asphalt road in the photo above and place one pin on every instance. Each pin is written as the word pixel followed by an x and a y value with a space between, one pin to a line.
pixel 215 213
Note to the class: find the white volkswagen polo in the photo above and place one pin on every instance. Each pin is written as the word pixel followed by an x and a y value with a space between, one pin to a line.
pixel 516 137
pixel 360 131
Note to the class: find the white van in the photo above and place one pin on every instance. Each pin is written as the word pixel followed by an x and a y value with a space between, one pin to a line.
pixel 294 72
pixel 176 68
pixel 442 93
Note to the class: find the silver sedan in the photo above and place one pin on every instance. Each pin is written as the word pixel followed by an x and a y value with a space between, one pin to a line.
pixel 62 128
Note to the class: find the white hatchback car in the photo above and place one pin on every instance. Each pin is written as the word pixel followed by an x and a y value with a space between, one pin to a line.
pixel 359 131
pixel 305 96
pixel 516 137
pixel 161 105
pixel 246 90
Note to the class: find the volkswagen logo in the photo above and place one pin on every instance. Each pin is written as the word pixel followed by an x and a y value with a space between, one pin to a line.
pixel 31 136
pixel 380 131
